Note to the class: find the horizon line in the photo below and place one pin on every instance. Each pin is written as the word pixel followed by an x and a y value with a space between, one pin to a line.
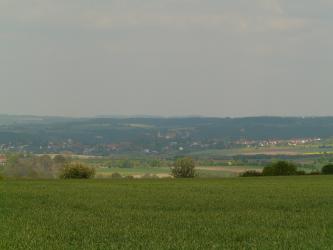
pixel 164 116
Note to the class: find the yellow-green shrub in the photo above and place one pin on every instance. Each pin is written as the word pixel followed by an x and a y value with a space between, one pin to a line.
pixel 77 170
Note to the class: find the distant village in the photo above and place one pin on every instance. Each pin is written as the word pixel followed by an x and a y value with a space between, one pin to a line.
pixel 267 143
pixel 170 142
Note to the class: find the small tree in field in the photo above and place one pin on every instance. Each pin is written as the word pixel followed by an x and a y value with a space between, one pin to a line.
pixel 280 168
pixel 77 170
pixel 183 168
pixel 328 169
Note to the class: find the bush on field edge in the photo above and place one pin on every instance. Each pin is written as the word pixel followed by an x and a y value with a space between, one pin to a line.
pixel 183 168
pixel 251 173
pixel 280 168
pixel 314 173
pixel 77 170
pixel 328 169
pixel 285 168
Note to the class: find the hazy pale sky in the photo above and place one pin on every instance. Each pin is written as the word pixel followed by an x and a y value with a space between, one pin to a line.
pixel 166 57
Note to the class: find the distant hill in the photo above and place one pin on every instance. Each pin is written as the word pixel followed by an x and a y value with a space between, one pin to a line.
pixel 134 134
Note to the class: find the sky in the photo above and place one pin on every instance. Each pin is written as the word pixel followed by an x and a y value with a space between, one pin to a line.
pixel 166 57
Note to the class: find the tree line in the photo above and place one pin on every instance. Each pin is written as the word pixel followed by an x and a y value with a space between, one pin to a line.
pixel 59 166
pixel 286 168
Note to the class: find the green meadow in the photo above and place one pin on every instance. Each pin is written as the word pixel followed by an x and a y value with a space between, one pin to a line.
pixel 234 213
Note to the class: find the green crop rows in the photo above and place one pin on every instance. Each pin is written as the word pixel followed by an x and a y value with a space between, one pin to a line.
pixel 239 213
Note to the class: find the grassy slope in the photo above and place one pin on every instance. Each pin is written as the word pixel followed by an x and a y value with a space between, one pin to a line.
pixel 240 213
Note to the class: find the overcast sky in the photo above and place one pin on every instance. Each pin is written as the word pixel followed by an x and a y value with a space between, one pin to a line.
pixel 166 57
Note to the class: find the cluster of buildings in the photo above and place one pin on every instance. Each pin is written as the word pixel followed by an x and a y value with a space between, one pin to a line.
pixel 267 143
pixel 169 141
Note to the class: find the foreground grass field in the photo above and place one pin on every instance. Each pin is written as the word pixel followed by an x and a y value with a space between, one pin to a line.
pixel 239 213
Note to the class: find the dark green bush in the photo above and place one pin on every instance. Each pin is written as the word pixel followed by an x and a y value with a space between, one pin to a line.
pixel 328 169
pixel 268 171
pixel 314 173
pixel 251 173
pixel 77 171
pixel 280 168
pixel 1 177
pixel 183 168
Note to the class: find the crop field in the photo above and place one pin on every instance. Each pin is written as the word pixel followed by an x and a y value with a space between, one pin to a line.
pixel 234 213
